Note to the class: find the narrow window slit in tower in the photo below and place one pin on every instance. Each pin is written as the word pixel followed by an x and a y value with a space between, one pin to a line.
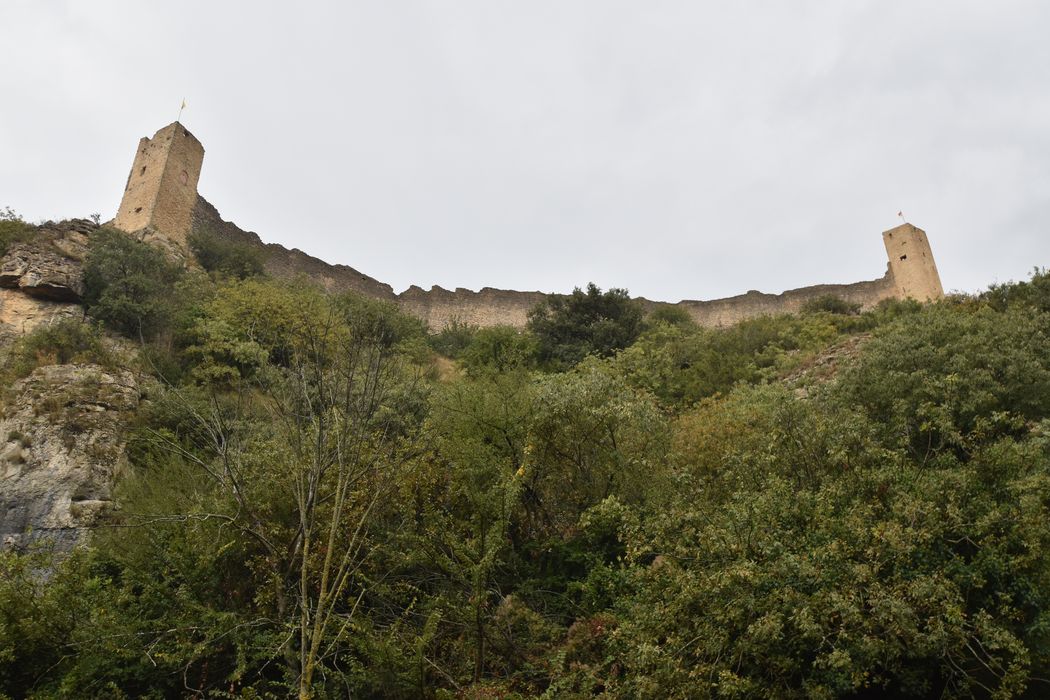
pixel 904 257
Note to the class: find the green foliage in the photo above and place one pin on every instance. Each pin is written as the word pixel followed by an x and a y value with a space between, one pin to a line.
pixel 307 513
pixel 37 620
pixel 671 315
pixel 251 324
pixel 802 559
pixel 12 229
pixel 464 503
pixel 1034 293
pixel 829 303
pixel 226 257
pixel 129 285
pixel 949 379
pixel 453 339
pixel 584 323
pixel 499 349
pixel 683 364
pixel 62 342
pixel 592 437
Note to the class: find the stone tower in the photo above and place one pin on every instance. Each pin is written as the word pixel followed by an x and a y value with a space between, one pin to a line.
pixel 162 186
pixel 911 262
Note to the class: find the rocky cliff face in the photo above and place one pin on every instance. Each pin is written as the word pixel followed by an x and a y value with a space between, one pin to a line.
pixel 61 446
pixel 61 428
pixel 40 279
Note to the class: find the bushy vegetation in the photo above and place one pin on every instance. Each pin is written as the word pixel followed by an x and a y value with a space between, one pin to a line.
pixel 1034 293
pixel 129 285
pixel 453 339
pixel 590 322
pixel 62 342
pixel 226 257
pixel 590 508
pixel 831 304
pixel 12 229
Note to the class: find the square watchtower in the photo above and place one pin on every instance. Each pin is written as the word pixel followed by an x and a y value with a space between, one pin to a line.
pixel 911 262
pixel 161 191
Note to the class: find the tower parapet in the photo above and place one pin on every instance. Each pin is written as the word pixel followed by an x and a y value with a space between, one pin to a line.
pixel 161 191
pixel 911 263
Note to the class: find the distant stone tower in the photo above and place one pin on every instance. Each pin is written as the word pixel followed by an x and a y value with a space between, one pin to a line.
pixel 162 186
pixel 911 263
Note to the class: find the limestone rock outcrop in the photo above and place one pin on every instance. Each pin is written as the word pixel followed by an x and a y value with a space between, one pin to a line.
pixel 61 447
pixel 42 279
pixel 41 272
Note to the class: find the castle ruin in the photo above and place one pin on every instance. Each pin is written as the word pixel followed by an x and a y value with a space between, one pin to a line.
pixel 161 205
pixel 161 191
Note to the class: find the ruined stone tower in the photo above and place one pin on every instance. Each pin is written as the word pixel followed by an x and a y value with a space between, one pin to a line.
pixel 911 263
pixel 162 185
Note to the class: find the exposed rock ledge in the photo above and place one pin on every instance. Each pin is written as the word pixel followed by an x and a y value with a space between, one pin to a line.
pixel 49 265
pixel 41 279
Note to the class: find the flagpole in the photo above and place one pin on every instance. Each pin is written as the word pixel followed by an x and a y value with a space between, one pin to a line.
pixel 179 118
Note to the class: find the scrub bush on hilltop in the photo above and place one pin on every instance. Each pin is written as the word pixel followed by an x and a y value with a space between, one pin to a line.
pixel 593 507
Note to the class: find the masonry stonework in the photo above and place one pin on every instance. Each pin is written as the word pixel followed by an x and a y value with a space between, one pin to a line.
pixel 911 263
pixel 161 191
pixel 161 198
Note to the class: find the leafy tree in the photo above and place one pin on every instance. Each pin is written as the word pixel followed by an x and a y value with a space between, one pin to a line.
pixel 226 257
pixel 12 229
pixel 568 328
pixel 466 517
pixel 310 452
pixel 453 339
pixel 499 349
pixel 950 379
pixel 36 620
pixel 804 559
pixel 129 285
pixel 592 436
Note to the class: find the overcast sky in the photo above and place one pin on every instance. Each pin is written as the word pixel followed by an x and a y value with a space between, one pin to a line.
pixel 680 149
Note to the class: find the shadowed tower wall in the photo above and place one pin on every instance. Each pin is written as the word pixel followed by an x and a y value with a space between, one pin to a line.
pixel 911 263
pixel 162 187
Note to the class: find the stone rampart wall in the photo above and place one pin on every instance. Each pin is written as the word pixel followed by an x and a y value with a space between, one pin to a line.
pixel 161 200
pixel 490 307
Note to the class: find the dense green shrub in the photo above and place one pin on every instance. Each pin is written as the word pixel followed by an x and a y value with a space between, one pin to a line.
pixel 129 285
pixel 62 342
pixel 226 257
pixel 671 315
pixel 12 229
pixel 801 557
pixel 453 339
pixel 951 378
pixel 683 364
pixel 672 521
pixel 1034 293
pixel 832 304
pixel 591 322
pixel 499 349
